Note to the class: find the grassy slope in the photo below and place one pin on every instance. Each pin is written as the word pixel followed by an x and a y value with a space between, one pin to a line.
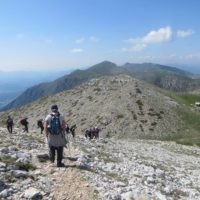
pixel 190 115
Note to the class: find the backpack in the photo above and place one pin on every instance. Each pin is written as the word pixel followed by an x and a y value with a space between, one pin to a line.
pixel 40 123
pixel 54 126
pixel 24 122
pixel 10 122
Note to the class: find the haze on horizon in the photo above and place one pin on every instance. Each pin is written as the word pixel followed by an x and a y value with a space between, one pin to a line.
pixel 44 35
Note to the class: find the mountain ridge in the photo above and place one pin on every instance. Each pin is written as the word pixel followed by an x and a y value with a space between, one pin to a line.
pixel 166 77
pixel 121 106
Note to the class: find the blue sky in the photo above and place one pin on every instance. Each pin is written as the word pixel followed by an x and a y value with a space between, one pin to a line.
pixel 49 34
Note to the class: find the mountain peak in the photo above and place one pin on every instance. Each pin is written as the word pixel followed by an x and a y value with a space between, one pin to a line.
pixel 107 62
pixel 104 64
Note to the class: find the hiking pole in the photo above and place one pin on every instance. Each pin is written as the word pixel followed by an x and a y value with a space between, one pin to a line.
pixel 69 145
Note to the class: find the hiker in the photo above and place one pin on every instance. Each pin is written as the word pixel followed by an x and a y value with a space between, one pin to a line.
pixel 96 133
pixel 88 133
pixel 54 128
pixel 67 128
pixel 92 133
pixel 24 123
pixel 40 125
pixel 72 130
pixel 9 124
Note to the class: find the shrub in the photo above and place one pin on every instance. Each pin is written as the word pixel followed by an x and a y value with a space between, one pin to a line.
pixel 134 115
pixel 119 116
pixel 153 123
pixel 138 91
pixel 8 160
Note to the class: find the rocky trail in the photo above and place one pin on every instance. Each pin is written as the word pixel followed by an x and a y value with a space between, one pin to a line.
pixel 26 173
pixel 104 169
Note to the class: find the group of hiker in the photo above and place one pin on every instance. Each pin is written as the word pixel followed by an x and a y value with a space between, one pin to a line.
pixel 68 129
pixel 9 124
pixel 54 127
pixel 92 133
pixel 23 122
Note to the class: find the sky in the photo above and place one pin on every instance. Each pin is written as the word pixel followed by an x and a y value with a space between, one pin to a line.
pixel 61 34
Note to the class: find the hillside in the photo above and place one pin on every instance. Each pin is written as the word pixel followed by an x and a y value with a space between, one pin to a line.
pixel 120 106
pixel 122 164
pixel 169 78
pixel 64 83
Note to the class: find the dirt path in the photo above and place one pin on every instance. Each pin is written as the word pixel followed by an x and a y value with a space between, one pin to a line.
pixel 70 182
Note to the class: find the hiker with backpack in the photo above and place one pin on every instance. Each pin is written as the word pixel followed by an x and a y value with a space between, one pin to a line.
pixel 54 127
pixel 88 133
pixel 40 125
pixel 9 124
pixel 24 123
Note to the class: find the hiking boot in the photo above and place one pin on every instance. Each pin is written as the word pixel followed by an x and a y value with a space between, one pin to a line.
pixel 60 164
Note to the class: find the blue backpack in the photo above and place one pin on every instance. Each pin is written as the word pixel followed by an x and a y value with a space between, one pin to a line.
pixel 55 127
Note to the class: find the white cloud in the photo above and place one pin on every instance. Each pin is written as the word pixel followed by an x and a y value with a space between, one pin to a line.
pixel 77 50
pixel 161 35
pixel 193 56
pixel 135 47
pixel 19 36
pixel 80 40
pixel 183 34
pixel 93 39
pixel 88 39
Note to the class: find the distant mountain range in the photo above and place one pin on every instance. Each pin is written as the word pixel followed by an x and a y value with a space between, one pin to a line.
pixel 169 78
pixel 13 83
pixel 166 77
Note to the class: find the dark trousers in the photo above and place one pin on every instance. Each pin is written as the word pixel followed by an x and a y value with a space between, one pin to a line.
pixel 9 128
pixel 73 133
pixel 42 128
pixel 52 154
pixel 26 128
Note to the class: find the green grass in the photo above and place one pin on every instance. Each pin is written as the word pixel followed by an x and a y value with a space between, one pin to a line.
pixel 26 167
pixel 8 160
pixel 120 116
pixel 185 98
pixel 191 118
pixel 36 138
pixel 192 121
